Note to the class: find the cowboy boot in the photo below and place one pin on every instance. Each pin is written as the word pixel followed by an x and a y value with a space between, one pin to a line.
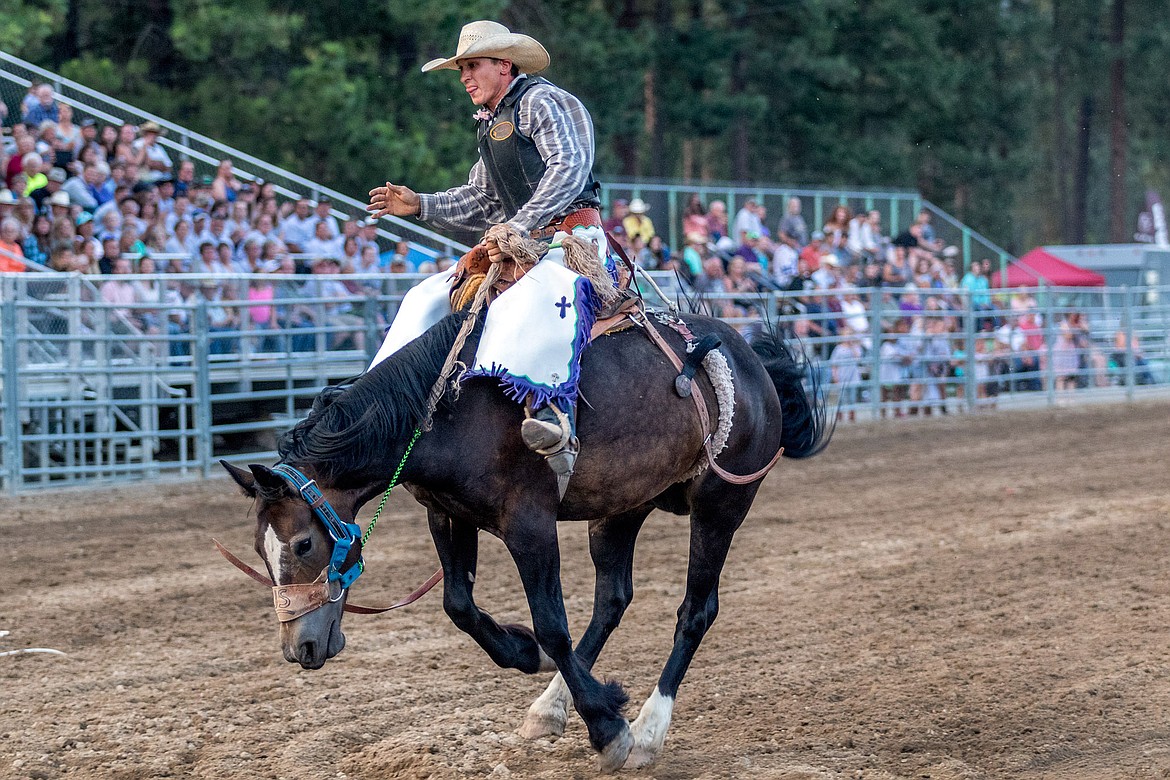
pixel 553 434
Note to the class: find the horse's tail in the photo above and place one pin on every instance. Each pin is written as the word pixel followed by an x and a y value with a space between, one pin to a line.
pixel 806 430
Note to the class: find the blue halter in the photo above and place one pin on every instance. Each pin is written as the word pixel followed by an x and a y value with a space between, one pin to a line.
pixel 344 534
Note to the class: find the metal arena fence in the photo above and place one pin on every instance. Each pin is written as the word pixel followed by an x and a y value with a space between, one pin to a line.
pixel 898 208
pixel 196 368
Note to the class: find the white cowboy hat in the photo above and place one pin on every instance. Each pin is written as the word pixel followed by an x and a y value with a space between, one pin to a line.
pixel 638 206
pixel 491 39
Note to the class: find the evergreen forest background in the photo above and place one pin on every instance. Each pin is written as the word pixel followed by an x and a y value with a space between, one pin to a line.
pixel 1034 121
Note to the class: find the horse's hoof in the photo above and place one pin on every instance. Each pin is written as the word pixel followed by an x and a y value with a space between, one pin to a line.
pixel 616 752
pixel 547 664
pixel 649 731
pixel 547 715
pixel 536 726
pixel 639 757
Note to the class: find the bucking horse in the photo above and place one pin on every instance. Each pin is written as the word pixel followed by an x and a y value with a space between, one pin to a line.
pixel 646 443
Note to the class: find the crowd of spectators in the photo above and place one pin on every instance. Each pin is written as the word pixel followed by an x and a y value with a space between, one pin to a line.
pixel 109 199
pixel 848 250
pixel 833 275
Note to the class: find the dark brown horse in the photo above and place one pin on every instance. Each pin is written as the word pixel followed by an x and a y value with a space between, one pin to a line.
pixel 640 445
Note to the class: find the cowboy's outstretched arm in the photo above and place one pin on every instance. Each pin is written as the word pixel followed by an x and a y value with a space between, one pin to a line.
pixel 472 206
pixel 393 199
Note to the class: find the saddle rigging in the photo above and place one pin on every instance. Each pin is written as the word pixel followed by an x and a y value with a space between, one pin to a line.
pixel 622 305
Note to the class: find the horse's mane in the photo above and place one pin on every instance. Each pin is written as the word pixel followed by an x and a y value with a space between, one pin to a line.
pixel 350 428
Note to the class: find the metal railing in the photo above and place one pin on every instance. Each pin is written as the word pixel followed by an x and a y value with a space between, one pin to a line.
pixel 203 367
pixel 893 352
pixel 195 368
pixel 188 144
pixel 897 207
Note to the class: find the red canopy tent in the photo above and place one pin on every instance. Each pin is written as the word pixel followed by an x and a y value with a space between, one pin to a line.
pixel 1040 267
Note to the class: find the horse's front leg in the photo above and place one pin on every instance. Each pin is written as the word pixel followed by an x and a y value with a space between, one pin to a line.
pixel 532 539
pixel 611 546
pixel 510 646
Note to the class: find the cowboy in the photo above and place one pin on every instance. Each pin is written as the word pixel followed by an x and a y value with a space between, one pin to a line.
pixel 535 175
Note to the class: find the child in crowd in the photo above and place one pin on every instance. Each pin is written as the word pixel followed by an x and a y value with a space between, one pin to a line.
pixel 845 363
pixel 892 372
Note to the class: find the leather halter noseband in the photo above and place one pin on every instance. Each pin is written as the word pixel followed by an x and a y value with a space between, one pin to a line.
pixel 354 608
pixel 294 601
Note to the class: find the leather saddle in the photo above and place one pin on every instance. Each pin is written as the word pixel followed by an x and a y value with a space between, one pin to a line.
pixel 472 269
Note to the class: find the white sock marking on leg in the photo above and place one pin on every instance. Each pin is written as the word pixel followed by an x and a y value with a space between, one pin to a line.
pixel 649 730
pixel 549 712
pixel 554 702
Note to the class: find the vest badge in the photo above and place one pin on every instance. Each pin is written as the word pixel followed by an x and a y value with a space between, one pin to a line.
pixel 501 131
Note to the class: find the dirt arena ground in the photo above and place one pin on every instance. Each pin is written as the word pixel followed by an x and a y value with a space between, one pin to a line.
pixel 949 598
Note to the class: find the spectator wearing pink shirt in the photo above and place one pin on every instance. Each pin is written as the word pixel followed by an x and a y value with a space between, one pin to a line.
pixel 121 294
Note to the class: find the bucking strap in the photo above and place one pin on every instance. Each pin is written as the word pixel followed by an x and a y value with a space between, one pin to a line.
pixel 682 382
pixel 701 409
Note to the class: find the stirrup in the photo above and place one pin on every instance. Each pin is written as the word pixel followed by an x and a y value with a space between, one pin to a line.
pixel 548 431
pixel 554 440
pixel 542 437
pixel 562 463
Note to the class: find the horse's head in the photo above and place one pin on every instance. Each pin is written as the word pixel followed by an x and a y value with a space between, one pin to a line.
pixel 313 554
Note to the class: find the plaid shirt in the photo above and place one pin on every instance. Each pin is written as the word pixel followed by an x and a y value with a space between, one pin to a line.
pixel 562 130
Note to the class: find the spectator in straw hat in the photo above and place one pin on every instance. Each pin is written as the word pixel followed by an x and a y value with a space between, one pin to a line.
pixel 7 203
pixel 636 223
pixel 152 159
pixel 58 205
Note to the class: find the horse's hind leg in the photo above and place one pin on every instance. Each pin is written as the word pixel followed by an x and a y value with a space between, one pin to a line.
pixel 509 646
pixel 611 546
pixel 716 515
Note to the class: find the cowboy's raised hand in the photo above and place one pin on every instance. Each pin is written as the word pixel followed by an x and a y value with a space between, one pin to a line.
pixel 393 199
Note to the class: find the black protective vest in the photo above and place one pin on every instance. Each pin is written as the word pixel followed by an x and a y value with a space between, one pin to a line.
pixel 512 161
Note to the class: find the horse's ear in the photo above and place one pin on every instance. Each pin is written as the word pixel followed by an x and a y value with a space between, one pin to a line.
pixel 266 478
pixel 243 478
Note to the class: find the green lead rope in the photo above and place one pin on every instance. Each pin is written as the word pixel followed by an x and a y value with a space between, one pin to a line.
pixel 386 495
